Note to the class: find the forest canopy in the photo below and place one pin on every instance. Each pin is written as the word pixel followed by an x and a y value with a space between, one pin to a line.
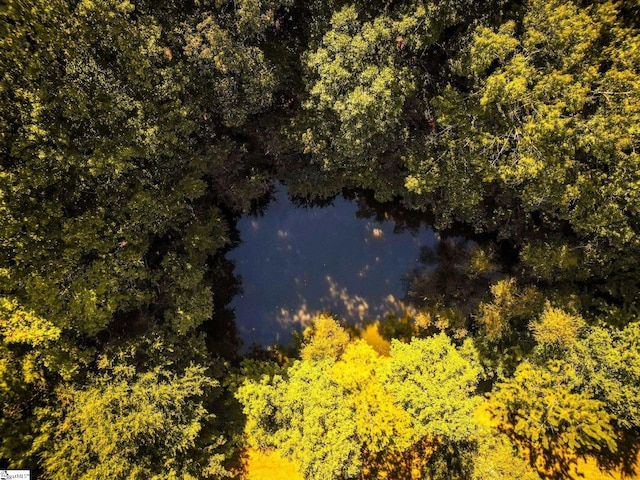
pixel 135 133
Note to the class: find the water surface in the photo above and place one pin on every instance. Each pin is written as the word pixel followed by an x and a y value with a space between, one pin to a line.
pixel 296 261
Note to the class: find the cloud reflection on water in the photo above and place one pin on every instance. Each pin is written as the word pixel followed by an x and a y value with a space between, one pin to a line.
pixel 354 308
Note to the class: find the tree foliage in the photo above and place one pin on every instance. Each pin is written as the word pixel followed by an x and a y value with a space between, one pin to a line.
pixel 542 410
pixel 134 133
pixel 114 171
pixel 334 416
pixel 129 424
pixel 608 360
pixel 546 127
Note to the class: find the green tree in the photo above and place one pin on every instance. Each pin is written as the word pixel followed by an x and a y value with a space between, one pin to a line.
pixel 434 382
pixel 556 329
pixel 368 77
pixel 542 132
pixel 325 339
pixel 498 459
pixel 608 360
pixel 307 418
pixel 129 424
pixel 545 413
pixel 104 183
pixel 126 131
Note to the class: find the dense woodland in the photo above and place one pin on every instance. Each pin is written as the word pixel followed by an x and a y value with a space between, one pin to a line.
pixel 134 134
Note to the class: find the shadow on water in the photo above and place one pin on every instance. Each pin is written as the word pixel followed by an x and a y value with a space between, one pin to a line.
pixel 221 330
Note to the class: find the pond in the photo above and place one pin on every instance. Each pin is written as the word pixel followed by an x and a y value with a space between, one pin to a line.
pixel 297 261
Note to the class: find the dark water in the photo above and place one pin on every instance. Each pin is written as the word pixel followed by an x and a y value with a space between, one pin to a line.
pixel 295 262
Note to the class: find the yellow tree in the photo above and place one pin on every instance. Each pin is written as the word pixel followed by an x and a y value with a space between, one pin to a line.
pixel 544 412
pixel 351 412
